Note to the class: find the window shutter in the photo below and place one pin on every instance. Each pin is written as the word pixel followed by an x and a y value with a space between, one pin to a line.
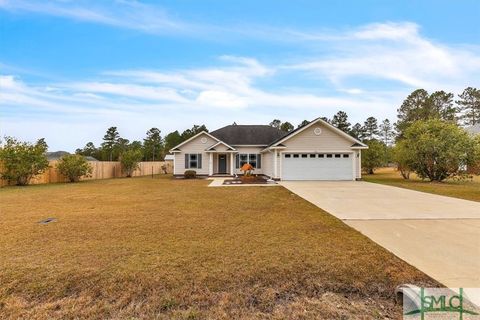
pixel 259 161
pixel 187 163
pixel 199 161
pixel 237 161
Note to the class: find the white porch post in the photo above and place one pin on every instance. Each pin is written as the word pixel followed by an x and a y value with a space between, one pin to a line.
pixel 275 172
pixel 359 164
pixel 210 164
pixel 231 164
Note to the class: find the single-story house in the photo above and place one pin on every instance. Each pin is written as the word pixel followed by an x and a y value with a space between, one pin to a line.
pixel 169 157
pixel 316 151
pixel 474 130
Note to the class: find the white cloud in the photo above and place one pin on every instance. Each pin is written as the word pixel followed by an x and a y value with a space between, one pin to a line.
pixel 395 52
pixel 124 14
pixel 365 71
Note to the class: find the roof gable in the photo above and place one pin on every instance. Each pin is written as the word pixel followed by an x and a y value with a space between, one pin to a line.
pixel 324 123
pixel 177 147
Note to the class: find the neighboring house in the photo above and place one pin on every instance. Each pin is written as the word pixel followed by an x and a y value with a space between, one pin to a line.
pixel 57 155
pixel 317 151
pixel 474 130
pixel 169 157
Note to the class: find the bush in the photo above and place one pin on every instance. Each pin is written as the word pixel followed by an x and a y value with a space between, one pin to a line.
pixel 403 158
pixel 129 161
pixel 437 150
pixel 22 161
pixel 373 157
pixel 190 174
pixel 74 166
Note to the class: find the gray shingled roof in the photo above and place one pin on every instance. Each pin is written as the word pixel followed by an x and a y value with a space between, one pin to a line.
pixel 248 134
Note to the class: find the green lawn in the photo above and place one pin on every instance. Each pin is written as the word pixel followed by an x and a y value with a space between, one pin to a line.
pixel 469 190
pixel 175 249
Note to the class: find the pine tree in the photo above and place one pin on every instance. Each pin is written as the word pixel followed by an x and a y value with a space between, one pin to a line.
pixel 387 134
pixel 153 144
pixel 370 128
pixel 110 141
pixel 340 120
pixel 469 106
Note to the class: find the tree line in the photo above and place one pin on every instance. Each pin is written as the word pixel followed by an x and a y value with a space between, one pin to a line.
pixel 152 148
pixel 428 138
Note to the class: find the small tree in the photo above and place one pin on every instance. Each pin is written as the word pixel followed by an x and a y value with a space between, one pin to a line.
pixel 439 150
pixel 404 158
pixel 129 161
pixel 374 156
pixel 74 166
pixel 22 161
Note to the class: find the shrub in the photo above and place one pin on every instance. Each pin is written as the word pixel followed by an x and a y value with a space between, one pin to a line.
pixel 403 158
pixel 437 150
pixel 129 161
pixel 374 156
pixel 22 161
pixel 190 174
pixel 74 166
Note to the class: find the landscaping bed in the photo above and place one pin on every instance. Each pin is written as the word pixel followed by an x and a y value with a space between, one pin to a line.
pixel 249 180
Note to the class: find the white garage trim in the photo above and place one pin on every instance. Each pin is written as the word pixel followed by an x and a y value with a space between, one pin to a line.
pixel 310 169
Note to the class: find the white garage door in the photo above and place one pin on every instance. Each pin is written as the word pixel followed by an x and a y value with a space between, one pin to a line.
pixel 312 166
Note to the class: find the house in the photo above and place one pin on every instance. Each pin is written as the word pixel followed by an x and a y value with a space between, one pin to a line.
pixel 316 151
pixel 169 157
pixel 474 130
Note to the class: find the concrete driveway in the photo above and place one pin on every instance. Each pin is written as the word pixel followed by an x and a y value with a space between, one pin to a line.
pixel 438 235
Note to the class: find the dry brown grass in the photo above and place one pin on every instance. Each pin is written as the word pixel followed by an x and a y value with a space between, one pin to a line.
pixel 463 189
pixel 159 248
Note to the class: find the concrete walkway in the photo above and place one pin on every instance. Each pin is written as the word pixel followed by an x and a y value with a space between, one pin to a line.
pixel 438 235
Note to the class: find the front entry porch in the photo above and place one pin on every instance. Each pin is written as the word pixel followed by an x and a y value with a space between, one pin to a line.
pixel 221 164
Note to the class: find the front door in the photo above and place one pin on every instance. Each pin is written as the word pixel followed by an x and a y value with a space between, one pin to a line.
pixel 222 163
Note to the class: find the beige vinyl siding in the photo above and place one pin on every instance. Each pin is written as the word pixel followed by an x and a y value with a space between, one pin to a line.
pixel 267 163
pixel 358 165
pixel 220 147
pixel 194 146
pixel 328 140
pixel 248 150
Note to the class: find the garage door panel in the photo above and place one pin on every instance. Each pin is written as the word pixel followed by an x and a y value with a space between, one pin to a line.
pixel 317 167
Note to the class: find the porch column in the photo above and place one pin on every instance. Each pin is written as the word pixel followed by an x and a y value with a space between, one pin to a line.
pixel 210 164
pixel 275 171
pixel 231 164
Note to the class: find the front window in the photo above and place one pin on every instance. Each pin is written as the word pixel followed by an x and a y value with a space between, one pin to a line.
pixel 252 159
pixel 193 161
pixel 243 159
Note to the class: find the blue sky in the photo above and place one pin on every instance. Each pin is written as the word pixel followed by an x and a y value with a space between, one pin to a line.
pixel 70 69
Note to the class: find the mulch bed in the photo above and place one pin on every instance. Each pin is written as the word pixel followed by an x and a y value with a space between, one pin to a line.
pixel 249 180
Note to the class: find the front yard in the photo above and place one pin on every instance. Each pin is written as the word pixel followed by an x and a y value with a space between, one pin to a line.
pixel 468 189
pixel 159 248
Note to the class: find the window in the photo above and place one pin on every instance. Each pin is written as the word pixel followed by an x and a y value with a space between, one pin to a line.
pixel 338 155
pixel 193 160
pixel 304 155
pixel 295 155
pixel 252 159
pixel 288 155
pixel 329 155
pixel 346 155
pixel 321 155
pixel 243 159
pixel 312 155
